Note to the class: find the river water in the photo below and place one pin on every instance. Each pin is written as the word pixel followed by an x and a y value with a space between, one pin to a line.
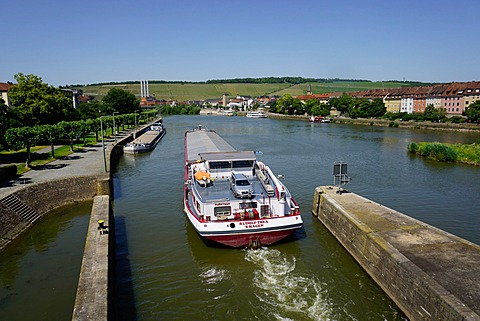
pixel 166 272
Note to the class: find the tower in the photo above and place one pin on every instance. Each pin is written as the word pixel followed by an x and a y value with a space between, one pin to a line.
pixel 144 88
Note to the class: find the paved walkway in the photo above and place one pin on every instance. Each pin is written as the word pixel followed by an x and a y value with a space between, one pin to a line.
pixel 86 161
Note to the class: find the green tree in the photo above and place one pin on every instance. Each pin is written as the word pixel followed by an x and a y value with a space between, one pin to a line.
pixel 321 110
pixel 23 137
pixel 287 104
pixel 50 133
pixel 120 101
pixel 4 122
pixel 377 108
pixel 90 110
pixel 274 108
pixel 37 103
pixel 359 109
pixel 434 114
pixel 343 104
pixel 311 104
pixel 82 128
pixel 70 130
pixel 473 112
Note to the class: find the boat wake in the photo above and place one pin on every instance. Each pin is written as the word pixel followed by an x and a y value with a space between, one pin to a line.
pixel 213 275
pixel 286 293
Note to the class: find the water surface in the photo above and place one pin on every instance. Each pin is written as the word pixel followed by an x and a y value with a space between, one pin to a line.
pixel 168 272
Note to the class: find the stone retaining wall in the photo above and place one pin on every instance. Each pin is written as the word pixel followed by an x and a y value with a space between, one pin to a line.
pixel 44 197
pixel 430 274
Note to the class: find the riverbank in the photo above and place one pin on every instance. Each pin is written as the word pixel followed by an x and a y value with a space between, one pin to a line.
pixel 465 127
pixel 409 124
pixel 77 177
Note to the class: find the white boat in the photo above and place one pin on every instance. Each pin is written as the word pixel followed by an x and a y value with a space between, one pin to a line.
pixel 147 141
pixel 227 112
pixel 319 119
pixel 232 198
pixel 256 114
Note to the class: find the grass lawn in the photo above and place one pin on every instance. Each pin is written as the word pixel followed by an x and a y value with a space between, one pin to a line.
pixel 469 154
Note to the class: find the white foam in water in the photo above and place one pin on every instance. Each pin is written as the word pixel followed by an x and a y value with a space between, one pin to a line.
pixel 212 275
pixel 290 295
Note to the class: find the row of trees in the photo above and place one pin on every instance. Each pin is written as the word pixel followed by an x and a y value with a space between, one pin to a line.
pixel 365 108
pixel 358 107
pixel 180 109
pixel 37 103
pixel 289 105
pixel 29 136
pixel 353 107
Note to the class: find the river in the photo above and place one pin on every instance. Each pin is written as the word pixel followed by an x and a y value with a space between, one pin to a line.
pixel 166 272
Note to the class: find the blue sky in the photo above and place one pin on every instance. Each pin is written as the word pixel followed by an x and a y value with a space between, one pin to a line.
pixel 89 41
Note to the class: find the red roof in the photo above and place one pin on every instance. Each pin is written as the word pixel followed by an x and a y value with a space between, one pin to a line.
pixel 4 86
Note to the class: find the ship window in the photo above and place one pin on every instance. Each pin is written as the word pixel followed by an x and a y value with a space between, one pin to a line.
pixel 248 205
pixel 222 211
pixel 219 165
pixel 242 163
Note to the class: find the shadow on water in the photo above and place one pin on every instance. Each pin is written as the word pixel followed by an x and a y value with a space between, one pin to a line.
pixel 125 297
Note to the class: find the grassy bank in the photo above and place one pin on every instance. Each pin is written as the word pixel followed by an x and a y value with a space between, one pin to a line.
pixel 460 153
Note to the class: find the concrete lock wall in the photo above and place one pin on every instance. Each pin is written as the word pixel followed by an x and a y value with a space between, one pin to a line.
pixel 41 198
pixel 95 281
pixel 371 232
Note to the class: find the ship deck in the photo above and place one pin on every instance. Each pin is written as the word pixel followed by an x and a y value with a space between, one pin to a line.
pixel 220 191
pixel 147 138
pixel 204 141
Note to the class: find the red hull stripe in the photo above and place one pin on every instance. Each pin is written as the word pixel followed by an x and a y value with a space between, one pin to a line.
pixel 252 231
pixel 246 239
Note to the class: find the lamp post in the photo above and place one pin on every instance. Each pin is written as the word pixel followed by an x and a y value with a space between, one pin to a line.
pixel 135 129
pixel 103 145
pixel 114 128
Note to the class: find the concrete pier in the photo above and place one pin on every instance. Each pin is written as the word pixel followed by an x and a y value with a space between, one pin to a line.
pixel 92 301
pixel 429 273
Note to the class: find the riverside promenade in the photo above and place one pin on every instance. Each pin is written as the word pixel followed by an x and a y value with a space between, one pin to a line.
pixel 84 161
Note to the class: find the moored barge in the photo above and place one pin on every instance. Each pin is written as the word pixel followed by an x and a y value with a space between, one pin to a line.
pixel 147 141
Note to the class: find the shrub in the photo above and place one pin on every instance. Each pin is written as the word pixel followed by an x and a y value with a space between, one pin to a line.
pixel 412 147
pixel 457 120
pixel 8 172
pixel 393 124
pixel 438 151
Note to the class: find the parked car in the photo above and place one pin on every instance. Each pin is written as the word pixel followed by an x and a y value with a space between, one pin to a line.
pixel 240 186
